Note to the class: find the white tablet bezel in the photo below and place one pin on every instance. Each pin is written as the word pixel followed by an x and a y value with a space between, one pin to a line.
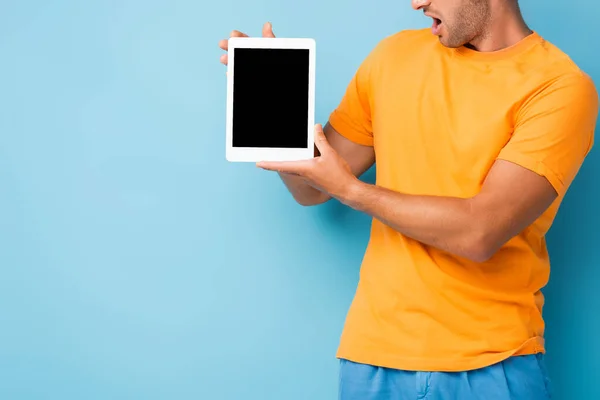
pixel 245 154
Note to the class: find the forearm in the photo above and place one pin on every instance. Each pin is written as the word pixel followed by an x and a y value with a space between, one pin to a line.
pixel 511 198
pixel 302 192
pixel 451 224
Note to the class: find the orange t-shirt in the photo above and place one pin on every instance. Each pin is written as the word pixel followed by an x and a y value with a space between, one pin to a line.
pixel 438 118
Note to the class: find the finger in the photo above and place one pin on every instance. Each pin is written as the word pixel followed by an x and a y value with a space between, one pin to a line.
pixel 290 167
pixel 235 33
pixel 223 59
pixel 224 44
pixel 267 30
pixel 321 141
pixel 288 174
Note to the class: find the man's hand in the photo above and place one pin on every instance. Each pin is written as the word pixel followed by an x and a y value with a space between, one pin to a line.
pixel 329 172
pixel 267 32
pixel 354 157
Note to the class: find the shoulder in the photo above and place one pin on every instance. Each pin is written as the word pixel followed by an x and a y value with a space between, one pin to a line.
pixel 399 49
pixel 400 42
pixel 557 81
pixel 561 75
pixel 556 68
pixel 552 58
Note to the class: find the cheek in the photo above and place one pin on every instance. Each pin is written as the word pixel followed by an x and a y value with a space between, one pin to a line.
pixel 449 27
pixel 458 28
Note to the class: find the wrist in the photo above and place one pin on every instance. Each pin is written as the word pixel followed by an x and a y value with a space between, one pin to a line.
pixel 352 192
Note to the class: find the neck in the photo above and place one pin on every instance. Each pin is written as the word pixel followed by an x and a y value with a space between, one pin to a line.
pixel 506 27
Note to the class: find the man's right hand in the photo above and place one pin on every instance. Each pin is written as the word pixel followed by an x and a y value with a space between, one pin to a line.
pixel 267 32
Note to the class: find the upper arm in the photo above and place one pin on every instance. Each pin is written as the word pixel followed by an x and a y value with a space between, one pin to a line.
pixel 359 157
pixel 554 131
pixel 350 126
pixel 553 134
pixel 512 198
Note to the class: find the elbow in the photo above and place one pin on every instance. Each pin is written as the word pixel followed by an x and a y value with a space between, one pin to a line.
pixel 479 253
pixel 312 201
pixel 481 245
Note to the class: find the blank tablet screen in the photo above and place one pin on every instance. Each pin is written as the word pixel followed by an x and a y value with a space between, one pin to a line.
pixel 270 98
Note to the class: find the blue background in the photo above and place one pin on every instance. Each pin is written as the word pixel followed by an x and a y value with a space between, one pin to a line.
pixel 136 263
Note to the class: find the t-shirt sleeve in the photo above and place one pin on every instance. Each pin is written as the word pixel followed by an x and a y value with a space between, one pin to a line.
pixel 554 131
pixel 353 116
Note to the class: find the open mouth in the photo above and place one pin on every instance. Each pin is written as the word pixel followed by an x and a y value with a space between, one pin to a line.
pixel 435 28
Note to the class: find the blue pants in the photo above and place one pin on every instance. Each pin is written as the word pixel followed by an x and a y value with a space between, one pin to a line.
pixel 517 378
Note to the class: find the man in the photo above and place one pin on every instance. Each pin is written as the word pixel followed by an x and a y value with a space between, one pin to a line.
pixel 479 126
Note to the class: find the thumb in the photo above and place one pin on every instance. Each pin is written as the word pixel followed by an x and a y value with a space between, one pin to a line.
pixel 321 141
pixel 267 30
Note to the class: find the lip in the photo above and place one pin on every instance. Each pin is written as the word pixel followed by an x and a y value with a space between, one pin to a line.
pixel 436 26
pixel 428 14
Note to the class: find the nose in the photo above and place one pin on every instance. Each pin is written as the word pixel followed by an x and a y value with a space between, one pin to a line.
pixel 418 4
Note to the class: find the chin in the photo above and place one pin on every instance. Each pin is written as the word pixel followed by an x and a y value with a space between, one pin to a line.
pixel 447 43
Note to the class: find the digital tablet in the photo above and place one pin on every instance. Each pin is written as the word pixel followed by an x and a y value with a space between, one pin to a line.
pixel 270 99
